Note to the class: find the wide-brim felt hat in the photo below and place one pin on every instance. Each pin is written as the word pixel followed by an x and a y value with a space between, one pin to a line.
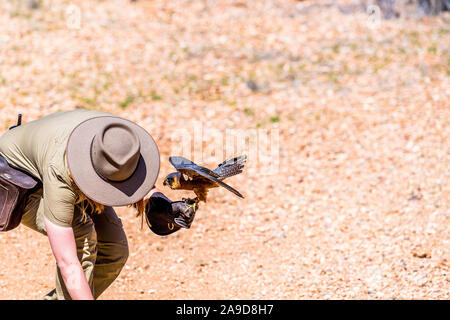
pixel 112 160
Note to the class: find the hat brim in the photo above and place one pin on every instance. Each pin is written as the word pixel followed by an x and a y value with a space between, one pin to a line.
pixel 106 192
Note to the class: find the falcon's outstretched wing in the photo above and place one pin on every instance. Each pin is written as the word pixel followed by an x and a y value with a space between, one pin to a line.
pixel 183 163
pixel 189 168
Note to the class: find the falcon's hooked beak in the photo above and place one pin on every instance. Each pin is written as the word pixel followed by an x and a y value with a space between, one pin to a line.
pixel 173 180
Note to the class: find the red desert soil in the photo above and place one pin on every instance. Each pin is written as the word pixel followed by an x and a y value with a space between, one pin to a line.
pixel 359 206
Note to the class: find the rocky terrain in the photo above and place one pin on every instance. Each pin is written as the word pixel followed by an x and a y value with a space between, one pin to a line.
pixel 352 203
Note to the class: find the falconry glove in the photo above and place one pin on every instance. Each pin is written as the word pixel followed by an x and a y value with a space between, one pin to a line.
pixel 164 217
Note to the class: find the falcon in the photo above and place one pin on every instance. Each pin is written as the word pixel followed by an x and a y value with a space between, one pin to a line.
pixel 190 176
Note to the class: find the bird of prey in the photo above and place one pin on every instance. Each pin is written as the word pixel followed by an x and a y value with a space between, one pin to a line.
pixel 190 176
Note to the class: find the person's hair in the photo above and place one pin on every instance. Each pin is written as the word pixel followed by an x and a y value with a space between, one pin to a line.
pixel 96 207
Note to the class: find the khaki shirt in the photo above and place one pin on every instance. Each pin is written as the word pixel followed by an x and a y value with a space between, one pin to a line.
pixel 39 148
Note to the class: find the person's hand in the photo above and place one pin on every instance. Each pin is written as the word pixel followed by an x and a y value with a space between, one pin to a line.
pixel 184 212
pixel 164 216
pixel 159 214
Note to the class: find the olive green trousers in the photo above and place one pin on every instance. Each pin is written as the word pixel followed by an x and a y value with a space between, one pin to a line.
pixel 101 242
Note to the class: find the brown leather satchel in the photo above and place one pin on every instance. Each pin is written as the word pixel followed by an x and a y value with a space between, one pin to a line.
pixel 14 186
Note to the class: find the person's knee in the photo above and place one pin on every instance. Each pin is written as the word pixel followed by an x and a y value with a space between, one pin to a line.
pixel 120 250
pixel 116 256
pixel 124 254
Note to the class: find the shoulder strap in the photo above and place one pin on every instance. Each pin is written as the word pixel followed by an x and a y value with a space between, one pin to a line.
pixel 19 121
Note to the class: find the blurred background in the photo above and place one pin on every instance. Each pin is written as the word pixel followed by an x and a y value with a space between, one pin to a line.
pixel 355 92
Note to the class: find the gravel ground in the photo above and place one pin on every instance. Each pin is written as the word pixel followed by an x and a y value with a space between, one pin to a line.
pixel 359 205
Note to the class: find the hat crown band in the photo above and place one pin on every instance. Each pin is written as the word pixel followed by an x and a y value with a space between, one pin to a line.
pixel 115 152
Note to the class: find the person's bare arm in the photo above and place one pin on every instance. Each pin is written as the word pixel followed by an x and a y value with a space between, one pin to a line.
pixel 62 242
